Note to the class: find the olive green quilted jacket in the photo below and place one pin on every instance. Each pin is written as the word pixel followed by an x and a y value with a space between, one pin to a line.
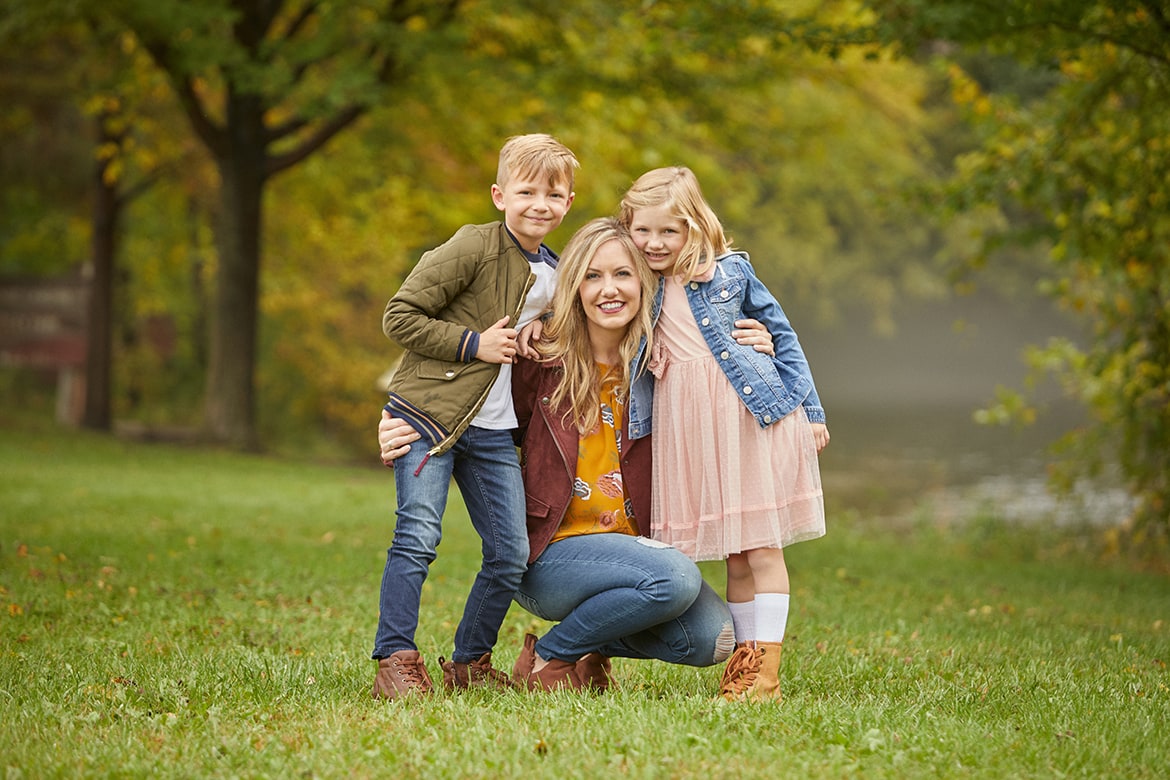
pixel 457 291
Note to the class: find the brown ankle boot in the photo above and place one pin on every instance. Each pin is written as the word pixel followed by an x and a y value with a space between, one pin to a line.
pixel 556 674
pixel 757 675
pixel 475 674
pixel 595 671
pixel 400 674
pixel 523 666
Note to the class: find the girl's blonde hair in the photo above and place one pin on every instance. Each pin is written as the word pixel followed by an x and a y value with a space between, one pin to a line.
pixel 678 188
pixel 567 330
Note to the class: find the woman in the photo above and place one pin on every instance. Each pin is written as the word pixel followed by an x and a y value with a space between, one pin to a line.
pixel 592 569
pixel 614 592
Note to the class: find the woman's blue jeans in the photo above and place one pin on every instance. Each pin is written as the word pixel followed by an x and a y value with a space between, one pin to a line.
pixel 486 468
pixel 625 596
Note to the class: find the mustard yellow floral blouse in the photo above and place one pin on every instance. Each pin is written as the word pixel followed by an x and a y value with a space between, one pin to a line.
pixel 599 504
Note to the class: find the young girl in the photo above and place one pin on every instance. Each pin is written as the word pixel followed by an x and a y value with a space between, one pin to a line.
pixel 736 431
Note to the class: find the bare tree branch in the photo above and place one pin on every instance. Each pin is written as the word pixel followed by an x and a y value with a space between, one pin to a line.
pixel 277 163
pixel 296 24
pixel 209 132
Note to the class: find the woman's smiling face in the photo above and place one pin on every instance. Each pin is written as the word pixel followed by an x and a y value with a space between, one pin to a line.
pixel 611 293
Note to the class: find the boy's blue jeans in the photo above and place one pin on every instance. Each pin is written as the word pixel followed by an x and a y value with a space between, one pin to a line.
pixel 486 468
pixel 625 596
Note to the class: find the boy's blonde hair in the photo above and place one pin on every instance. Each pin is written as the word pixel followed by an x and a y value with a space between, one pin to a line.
pixel 536 156
pixel 678 188
pixel 567 329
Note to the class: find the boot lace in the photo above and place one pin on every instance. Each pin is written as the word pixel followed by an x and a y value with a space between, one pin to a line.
pixel 413 675
pixel 482 671
pixel 742 669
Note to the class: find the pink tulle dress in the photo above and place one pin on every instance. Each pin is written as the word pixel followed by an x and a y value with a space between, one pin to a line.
pixel 722 484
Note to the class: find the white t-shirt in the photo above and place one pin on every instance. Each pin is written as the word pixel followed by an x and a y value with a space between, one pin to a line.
pixel 497 413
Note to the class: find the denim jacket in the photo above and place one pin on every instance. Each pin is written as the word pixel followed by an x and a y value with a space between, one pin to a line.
pixel 640 406
pixel 770 387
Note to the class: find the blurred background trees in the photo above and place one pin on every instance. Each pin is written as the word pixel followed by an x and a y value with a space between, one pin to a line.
pixel 865 154
pixel 1074 160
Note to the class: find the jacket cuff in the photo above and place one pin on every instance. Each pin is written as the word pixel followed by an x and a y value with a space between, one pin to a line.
pixel 469 346
pixel 815 414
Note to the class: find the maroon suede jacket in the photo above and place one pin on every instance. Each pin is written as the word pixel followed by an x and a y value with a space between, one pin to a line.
pixel 548 456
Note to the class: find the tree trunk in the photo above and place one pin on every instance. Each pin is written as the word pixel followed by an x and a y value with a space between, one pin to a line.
pixel 230 402
pixel 99 326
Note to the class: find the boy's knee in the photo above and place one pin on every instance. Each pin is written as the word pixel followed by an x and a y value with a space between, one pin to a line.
pixel 510 569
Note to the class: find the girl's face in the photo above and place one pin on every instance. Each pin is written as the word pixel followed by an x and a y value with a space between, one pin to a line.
pixel 660 235
pixel 610 293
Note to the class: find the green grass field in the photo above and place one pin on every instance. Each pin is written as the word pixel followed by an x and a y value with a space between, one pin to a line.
pixel 175 612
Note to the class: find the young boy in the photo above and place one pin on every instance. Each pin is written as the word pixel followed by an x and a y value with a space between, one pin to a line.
pixel 458 315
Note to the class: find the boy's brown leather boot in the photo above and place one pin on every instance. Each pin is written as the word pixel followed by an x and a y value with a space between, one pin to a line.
pixel 476 674
pixel 400 674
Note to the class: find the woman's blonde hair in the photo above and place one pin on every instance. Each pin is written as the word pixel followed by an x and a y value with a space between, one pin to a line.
pixel 678 188
pixel 567 330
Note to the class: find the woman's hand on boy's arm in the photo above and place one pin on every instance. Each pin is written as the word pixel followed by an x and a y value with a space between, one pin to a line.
pixel 752 333
pixel 394 438
pixel 529 338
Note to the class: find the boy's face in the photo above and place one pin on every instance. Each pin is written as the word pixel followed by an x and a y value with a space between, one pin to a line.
pixel 532 208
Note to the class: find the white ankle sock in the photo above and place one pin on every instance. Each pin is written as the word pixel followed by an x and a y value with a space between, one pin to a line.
pixel 743 617
pixel 771 616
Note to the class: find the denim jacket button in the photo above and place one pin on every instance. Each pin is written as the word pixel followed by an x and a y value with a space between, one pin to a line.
pixel 724 354
pixel 694 285
pixel 747 389
pixel 724 293
pixel 706 321
pixel 767 418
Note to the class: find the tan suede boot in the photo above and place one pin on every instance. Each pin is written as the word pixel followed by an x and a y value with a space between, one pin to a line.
pixel 759 678
pixel 740 672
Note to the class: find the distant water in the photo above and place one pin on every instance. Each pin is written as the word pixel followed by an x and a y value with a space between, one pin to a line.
pixel 891 463
pixel 901 408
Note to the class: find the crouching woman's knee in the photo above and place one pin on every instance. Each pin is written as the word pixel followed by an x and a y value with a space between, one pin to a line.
pixel 708 628
pixel 673 580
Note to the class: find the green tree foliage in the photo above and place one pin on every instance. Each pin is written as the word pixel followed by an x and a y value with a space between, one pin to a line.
pixel 748 94
pixel 772 131
pixel 1084 168
pixel 104 106
pixel 46 150
pixel 264 86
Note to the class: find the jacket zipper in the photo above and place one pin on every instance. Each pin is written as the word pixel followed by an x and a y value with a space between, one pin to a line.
pixel 483 397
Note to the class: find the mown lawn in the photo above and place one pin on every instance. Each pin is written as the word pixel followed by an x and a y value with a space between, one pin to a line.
pixel 183 612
